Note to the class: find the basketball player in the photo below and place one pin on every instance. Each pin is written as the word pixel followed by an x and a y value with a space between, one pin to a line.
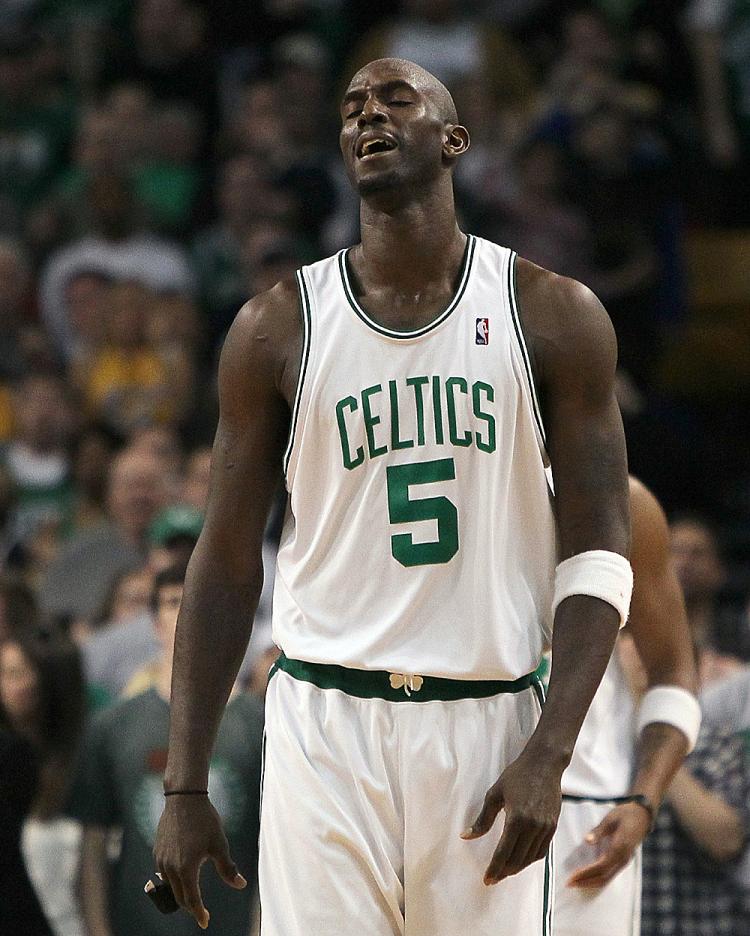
pixel 421 561
pixel 613 786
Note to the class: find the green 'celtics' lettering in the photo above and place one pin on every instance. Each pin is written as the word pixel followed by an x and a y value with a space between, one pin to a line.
pixel 417 383
pixel 371 420
pixel 463 386
pixel 351 404
pixel 409 420
pixel 437 408
pixel 396 441
pixel 479 387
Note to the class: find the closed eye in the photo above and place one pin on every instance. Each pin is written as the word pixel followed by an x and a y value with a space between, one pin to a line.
pixel 354 113
pixel 400 103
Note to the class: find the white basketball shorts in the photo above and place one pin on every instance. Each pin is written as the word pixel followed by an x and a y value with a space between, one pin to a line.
pixel 364 800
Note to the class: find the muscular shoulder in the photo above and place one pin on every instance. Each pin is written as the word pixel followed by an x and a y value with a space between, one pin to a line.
pixel 565 324
pixel 262 346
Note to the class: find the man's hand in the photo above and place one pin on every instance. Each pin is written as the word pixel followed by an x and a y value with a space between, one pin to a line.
pixel 620 832
pixel 190 833
pixel 530 795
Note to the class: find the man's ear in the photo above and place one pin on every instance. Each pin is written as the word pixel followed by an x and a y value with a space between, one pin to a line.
pixel 457 141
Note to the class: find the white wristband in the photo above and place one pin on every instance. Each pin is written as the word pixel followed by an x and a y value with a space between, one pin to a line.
pixel 674 706
pixel 598 573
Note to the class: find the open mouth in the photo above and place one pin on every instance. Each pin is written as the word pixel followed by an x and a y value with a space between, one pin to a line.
pixel 374 147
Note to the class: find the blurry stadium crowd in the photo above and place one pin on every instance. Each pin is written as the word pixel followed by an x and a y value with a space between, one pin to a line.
pixel 163 160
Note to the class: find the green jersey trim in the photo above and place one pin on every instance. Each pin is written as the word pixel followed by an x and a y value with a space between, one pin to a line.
pixel 304 299
pixel 513 294
pixel 548 879
pixel 417 333
pixel 398 687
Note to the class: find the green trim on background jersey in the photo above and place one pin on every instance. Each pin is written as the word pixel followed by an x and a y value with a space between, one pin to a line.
pixel 512 292
pixel 391 333
pixel 378 684
pixel 304 299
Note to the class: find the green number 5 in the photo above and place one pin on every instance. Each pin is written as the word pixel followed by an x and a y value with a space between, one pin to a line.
pixel 401 509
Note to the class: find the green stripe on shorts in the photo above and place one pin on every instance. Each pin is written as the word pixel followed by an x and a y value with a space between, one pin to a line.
pixel 398 687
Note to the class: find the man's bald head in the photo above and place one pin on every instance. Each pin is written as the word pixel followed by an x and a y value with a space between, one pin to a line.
pixel 393 69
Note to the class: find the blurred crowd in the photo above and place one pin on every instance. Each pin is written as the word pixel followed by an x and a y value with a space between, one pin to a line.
pixel 163 160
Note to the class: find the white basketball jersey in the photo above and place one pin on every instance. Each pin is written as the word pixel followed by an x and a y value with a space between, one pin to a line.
pixel 604 755
pixel 420 535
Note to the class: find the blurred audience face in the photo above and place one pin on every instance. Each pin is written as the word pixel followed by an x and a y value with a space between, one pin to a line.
pixel 128 306
pixel 137 490
pixel 86 299
pixel 18 685
pixel 695 554
pixel 43 413
pixel 132 595
pixel 197 478
pixel 163 442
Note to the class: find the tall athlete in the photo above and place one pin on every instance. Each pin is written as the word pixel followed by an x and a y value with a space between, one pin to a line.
pixel 623 751
pixel 421 561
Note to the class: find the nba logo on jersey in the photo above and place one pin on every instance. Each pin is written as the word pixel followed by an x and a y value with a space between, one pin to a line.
pixel 483 331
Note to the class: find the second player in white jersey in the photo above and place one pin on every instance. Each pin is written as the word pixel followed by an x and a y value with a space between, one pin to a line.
pixel 406 448
pixel 598 883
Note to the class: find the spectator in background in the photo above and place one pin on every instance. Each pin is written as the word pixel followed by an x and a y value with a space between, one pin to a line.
pixel 245 197
pixel 35 121
pixel 91 457
pixel 37 458
pixel 172 536
pixel 719 32
pixel 129 596
pixel 116 247
pixel 164 49
pixel 692 857
pixel 722 641
pixel 77 581
pixel 121 639
pixel 128 381
pixel 120 787
pixel 440 36
pixel 42 701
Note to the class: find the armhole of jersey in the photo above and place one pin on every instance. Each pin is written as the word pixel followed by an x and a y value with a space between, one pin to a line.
pixel 304 302
pixel 518 330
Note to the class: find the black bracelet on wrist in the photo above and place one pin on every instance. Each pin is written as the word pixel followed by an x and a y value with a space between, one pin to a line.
pixel 642 800
pixel 186 792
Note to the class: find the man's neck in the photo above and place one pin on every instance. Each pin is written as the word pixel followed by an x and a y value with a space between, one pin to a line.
pixel 406 246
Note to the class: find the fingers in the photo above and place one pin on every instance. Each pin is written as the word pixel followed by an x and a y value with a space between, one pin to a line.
pixel 187 893
pixel 493 803
pixel 606 827
pixel 596 874
pixel 601 871
pixel 227 870
pixel 192 897
pixel 522 843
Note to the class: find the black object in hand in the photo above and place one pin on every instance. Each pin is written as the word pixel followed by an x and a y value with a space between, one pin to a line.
pixel 161 895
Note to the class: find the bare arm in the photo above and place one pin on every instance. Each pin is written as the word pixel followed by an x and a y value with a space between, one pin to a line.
pixel 93 881
pixel 709 820
pixel 574 355
pixel 225 578
pixel 659 628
